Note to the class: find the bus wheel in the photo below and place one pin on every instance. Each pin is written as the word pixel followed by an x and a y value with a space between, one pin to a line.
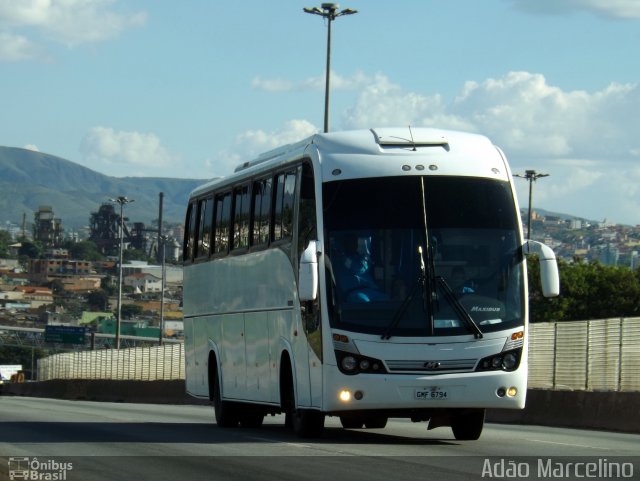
pixel 468 425
pixel 226 415
pixel 307 423
pixel 251 419
pixel 351 422
pixel 375 422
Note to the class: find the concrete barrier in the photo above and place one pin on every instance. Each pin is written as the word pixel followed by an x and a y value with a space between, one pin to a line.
pixel 613 411
pixel 154 392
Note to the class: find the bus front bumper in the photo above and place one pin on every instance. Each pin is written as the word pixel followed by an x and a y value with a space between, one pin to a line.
pixel 397 392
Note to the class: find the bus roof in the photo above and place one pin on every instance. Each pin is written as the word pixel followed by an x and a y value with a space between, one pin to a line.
pixel 382 152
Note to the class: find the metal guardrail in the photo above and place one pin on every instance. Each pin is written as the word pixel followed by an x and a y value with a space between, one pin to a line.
pixel 597 355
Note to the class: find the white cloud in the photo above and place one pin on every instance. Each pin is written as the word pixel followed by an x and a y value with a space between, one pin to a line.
pixel 27 24
pixel 253 142
pixel 17 47
pixel 629 9
pixel 125 153
pixel 520 111
pixel 587 141
pixel 32 147
pixel 272 85
pixel 338 82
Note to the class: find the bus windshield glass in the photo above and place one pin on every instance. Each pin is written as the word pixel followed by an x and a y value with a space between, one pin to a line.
pixel 419 256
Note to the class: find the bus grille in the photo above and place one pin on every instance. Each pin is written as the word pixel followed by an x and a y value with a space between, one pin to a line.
pixel 432 367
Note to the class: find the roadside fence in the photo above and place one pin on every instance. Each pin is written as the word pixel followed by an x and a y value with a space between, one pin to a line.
pixel 156 363
pixel 596 355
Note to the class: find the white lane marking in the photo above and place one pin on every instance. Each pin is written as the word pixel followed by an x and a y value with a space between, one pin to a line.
pixel 568 444
pixel 275 441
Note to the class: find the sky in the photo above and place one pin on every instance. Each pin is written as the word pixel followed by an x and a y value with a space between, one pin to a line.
pixel 190 89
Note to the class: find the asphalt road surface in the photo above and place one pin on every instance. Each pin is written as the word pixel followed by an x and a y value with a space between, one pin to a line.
pixel 51 439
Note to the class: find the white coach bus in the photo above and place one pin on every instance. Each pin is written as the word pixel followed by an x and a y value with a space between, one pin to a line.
pixel 362 274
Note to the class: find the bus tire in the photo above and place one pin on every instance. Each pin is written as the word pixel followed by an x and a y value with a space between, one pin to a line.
pixel 252 419
pixel 468 425
pixel 351 422
pixel 307 423
pixel 375 422
pixel 226 413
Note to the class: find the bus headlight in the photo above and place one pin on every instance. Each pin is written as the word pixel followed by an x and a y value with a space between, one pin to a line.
pixel 349 363
pixel 509 361
pixel 504 361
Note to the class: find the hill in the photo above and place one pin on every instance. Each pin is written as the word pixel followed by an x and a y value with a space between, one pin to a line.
pixel 30 179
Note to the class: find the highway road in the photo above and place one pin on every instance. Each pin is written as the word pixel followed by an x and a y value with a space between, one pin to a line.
pixel 83 440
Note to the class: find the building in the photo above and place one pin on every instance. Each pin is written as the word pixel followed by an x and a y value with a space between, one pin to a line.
pixel 143 282
pixel 46 227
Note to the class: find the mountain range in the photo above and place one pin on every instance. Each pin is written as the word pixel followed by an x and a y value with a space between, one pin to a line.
pixel 31 179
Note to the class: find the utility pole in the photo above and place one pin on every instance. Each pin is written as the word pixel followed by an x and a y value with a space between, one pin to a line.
pixel 531 176
pixel 330 12
pixel 121 201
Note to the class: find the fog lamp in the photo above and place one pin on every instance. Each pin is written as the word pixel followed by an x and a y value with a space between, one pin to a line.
pixel 345 395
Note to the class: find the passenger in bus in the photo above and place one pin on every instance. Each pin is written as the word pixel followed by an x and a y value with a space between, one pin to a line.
pixel 354 270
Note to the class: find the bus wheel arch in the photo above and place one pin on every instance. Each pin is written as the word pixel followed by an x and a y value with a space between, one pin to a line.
pixel 306 423
pixel 225 411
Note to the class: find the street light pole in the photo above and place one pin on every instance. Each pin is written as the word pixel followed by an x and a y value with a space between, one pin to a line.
pixel 163 239
pixel 531 176
pixel 122 201
pixel 330 12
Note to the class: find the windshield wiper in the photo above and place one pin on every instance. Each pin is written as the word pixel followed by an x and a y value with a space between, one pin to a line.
pixel 459 308
pixel 420 285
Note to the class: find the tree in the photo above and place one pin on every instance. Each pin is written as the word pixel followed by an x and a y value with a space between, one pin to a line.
pixel 135 255
pixel 587 291
pixel 98 300
pixel 85 250
pixel 5 242
pixel 130 310
pixel 32 250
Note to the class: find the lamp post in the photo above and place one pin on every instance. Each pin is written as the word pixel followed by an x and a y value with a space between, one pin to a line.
pixel 163 240
pixel 531 176
pixel 330 12
pixel 122 201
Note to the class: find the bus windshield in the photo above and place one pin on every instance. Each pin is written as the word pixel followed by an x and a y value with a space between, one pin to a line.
pixel 422 256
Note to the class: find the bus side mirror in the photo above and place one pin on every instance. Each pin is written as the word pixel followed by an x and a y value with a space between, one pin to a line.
pixel 308 273
pixel 548 267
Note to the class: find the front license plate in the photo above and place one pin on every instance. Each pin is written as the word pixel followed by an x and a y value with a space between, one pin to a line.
pixel 432 394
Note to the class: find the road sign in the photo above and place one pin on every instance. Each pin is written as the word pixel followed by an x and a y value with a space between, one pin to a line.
pixel 65 334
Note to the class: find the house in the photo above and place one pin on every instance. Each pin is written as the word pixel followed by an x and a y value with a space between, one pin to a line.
pixel 143 282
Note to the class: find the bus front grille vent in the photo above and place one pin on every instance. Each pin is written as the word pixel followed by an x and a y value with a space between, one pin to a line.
pixel 432 366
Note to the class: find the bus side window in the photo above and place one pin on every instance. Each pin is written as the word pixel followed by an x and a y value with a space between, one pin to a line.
pixel 307 229
pixel 241 218
pixel 261 212
pixel 204 232
pixel 223 214
pixel 284 202
pixel 190 232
